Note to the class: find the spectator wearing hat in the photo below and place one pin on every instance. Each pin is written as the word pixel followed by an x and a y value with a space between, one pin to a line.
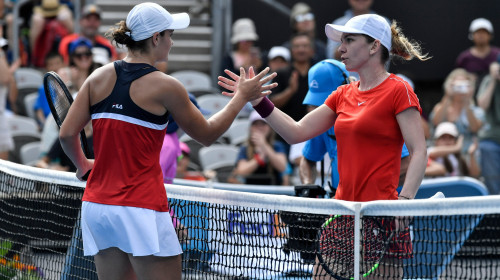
pixel 324 77
pixel 81 64
pixel 50 22
pixel 477 59
pixel 357 7
pixel 245 53
pixel 488 98
pixel 302 20
pixel 90 22
pixel 457 106
pixel 261 160
pixel 278 58
pixel 447 151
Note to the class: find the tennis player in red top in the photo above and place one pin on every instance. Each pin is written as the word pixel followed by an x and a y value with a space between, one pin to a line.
pixel 125 221
pixel 372 116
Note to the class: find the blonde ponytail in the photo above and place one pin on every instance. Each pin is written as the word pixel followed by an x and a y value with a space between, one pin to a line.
pixel 404 48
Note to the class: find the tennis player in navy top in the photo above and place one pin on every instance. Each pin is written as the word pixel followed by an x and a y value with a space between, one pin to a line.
pixel 125 220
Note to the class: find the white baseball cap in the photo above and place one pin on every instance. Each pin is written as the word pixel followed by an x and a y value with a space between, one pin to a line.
pixel 147 18
pixel 480 23
pixel 279 51
pixel 446 128
pixel 372 25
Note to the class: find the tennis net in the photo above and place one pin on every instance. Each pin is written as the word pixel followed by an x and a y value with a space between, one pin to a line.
pixel 235 235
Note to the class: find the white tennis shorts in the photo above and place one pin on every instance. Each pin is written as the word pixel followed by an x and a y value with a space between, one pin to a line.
pixel 138 231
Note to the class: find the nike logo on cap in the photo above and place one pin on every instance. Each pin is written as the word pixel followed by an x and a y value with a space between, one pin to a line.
pixel 359 103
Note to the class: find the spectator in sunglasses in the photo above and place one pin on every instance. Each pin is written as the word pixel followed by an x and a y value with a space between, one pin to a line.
pixel 81 64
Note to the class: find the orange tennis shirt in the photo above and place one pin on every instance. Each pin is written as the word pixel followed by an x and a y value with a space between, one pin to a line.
pixel 369 140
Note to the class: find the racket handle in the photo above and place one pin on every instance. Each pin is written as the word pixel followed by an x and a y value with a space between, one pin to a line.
pixel 86 176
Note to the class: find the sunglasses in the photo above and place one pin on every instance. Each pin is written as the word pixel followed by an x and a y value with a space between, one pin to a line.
pixel 304 17
pixel 83 54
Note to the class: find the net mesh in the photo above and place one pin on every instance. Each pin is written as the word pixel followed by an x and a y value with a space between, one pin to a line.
pixel 230 235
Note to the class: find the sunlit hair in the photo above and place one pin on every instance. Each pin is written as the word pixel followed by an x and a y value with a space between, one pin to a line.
pixel 402 47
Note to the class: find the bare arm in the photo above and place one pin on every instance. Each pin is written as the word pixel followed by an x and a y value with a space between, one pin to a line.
pixel 265 153
pixel 403 169
pixel 246 167
pixel 474 123
pixel 474 168
pixel 441 151
pixel 485 94
pixel 78 116
pixel 439 110
pixel 4 69
pixel 413 134
pixel 204 131
pixel 311 125
pixel 307 171
pixel 435 169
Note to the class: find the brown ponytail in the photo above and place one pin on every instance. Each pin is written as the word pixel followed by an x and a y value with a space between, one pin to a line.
pixel 120 34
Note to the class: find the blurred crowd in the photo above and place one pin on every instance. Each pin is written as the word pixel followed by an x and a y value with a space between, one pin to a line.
pixel 462 130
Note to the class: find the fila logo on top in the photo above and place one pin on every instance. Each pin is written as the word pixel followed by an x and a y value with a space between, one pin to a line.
pixel 117 106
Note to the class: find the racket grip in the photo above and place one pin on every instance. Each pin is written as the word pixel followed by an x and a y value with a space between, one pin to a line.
pixel 86 176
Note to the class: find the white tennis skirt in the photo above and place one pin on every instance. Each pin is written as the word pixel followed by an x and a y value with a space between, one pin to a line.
pixel 138 231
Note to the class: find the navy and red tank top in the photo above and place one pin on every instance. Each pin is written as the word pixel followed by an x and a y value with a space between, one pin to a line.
pixel 127 144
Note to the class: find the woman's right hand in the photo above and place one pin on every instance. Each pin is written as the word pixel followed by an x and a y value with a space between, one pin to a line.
pixel 251 88
pixel 81 172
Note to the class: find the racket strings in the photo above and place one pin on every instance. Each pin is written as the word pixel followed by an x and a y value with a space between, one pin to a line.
pixel 337 245
pixel 59 99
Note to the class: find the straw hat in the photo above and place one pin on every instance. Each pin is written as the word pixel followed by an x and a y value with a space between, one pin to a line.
pixel 48 8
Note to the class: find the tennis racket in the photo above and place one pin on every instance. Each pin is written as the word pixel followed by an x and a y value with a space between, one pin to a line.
pixel 60 101
pixel 336 246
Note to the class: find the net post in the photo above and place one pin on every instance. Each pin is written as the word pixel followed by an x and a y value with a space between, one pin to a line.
pixel 357 240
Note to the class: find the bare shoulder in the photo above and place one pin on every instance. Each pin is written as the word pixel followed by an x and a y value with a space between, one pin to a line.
pixel 168 81
pixel 103 73
pixel 101 82
pixel 165 83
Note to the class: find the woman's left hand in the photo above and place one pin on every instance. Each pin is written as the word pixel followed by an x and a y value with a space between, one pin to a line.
pixel 253 87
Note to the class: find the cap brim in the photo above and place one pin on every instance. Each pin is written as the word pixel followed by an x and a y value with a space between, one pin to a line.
pixel 334 31
pixel 315 98
pixel 180 21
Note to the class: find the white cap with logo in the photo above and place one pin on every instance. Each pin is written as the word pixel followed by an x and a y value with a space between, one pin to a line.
pixel 372 25
pixel 147 18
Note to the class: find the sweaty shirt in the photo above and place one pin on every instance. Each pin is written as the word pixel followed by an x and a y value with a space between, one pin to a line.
pixel 369 139
pixel 127 144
